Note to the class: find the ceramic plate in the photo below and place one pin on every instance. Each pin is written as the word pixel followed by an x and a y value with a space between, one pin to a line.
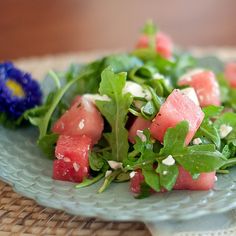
pixel 24 167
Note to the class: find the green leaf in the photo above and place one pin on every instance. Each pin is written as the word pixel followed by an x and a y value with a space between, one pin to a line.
pixel 168 175
pixel 149 28
pixel 122 62
pixel 208 130
pixel 212 111
pixel 109 179
pixel 122 177
pixel 195 159
pixel 47 144
pixel 200 158
pixel 96 162
pixel 145 191
pixel 151 179
pixel 88 182
pixel 229 119
pixel 115 111
pixel 174 139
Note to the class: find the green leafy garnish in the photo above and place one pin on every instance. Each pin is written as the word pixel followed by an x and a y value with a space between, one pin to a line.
pixel 115 111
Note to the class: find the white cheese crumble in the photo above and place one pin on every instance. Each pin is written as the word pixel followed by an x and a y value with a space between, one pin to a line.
pixel 76 166
pixel 169 161
pixel 165 172
pixel 66 159
pixel 225 130
pixel 216 178
pixel 141 135
pixel 197 141
pixel 81 124
pixel 136 90
pixel 191 94
pixel 132 174
pixel 60 156
pixel 108 172
pixel 115 165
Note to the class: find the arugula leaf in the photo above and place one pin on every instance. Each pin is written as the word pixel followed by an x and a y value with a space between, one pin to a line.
pixel 207 128
pixel 212 111
pixel 209 131
pixel 200 158
pixel 151 179
pixel 96 162
pixel 145 191
pixel 168 175
pixel 228 118
pixel 88 182
pixel 115 111
pixel 122 62
pixel 47 144
pixel 195 159
pixel 174 139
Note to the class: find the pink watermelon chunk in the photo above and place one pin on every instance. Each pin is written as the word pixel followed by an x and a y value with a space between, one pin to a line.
pixel 164 45
pixel 206 87
pixel 230 73
pixel 184 181
pixel 136 181
pixel 72 154
pixel 82 118
pixel 139 124
pixel 177 107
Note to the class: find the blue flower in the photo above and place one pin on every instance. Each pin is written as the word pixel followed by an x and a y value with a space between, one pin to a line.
pixel 18 91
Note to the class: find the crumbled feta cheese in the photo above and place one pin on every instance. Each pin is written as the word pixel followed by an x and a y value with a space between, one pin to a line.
pixel 60 156
pixel 115 165
pixel 108 172
pixel 141 135
pixel 132 174
pixel 136 90
pixel 81 124
pixel 216 178
pixel 197 141
pixel 169 161
pixel 165 172
pixel 187 76
pixel 66 159
pixel 225 130
pixel 76 166
pixel 191 94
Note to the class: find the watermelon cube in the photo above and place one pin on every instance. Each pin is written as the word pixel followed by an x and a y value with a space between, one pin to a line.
pixel 72 154
pixel 177 107
pixel 230 73
pixel 164 45
pixel 184 180
pixel 205 85
pixel 136 181
pixel 82 118
pixel 139 124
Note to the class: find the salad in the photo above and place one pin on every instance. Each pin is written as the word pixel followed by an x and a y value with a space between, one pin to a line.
pixel 156 117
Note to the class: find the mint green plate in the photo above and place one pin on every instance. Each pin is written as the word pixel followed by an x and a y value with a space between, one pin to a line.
pixel 25 168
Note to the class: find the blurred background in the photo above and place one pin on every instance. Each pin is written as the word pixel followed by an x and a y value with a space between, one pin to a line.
pixel 39 27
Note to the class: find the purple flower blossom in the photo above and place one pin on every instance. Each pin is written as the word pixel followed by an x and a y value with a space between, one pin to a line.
pixel 18 91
